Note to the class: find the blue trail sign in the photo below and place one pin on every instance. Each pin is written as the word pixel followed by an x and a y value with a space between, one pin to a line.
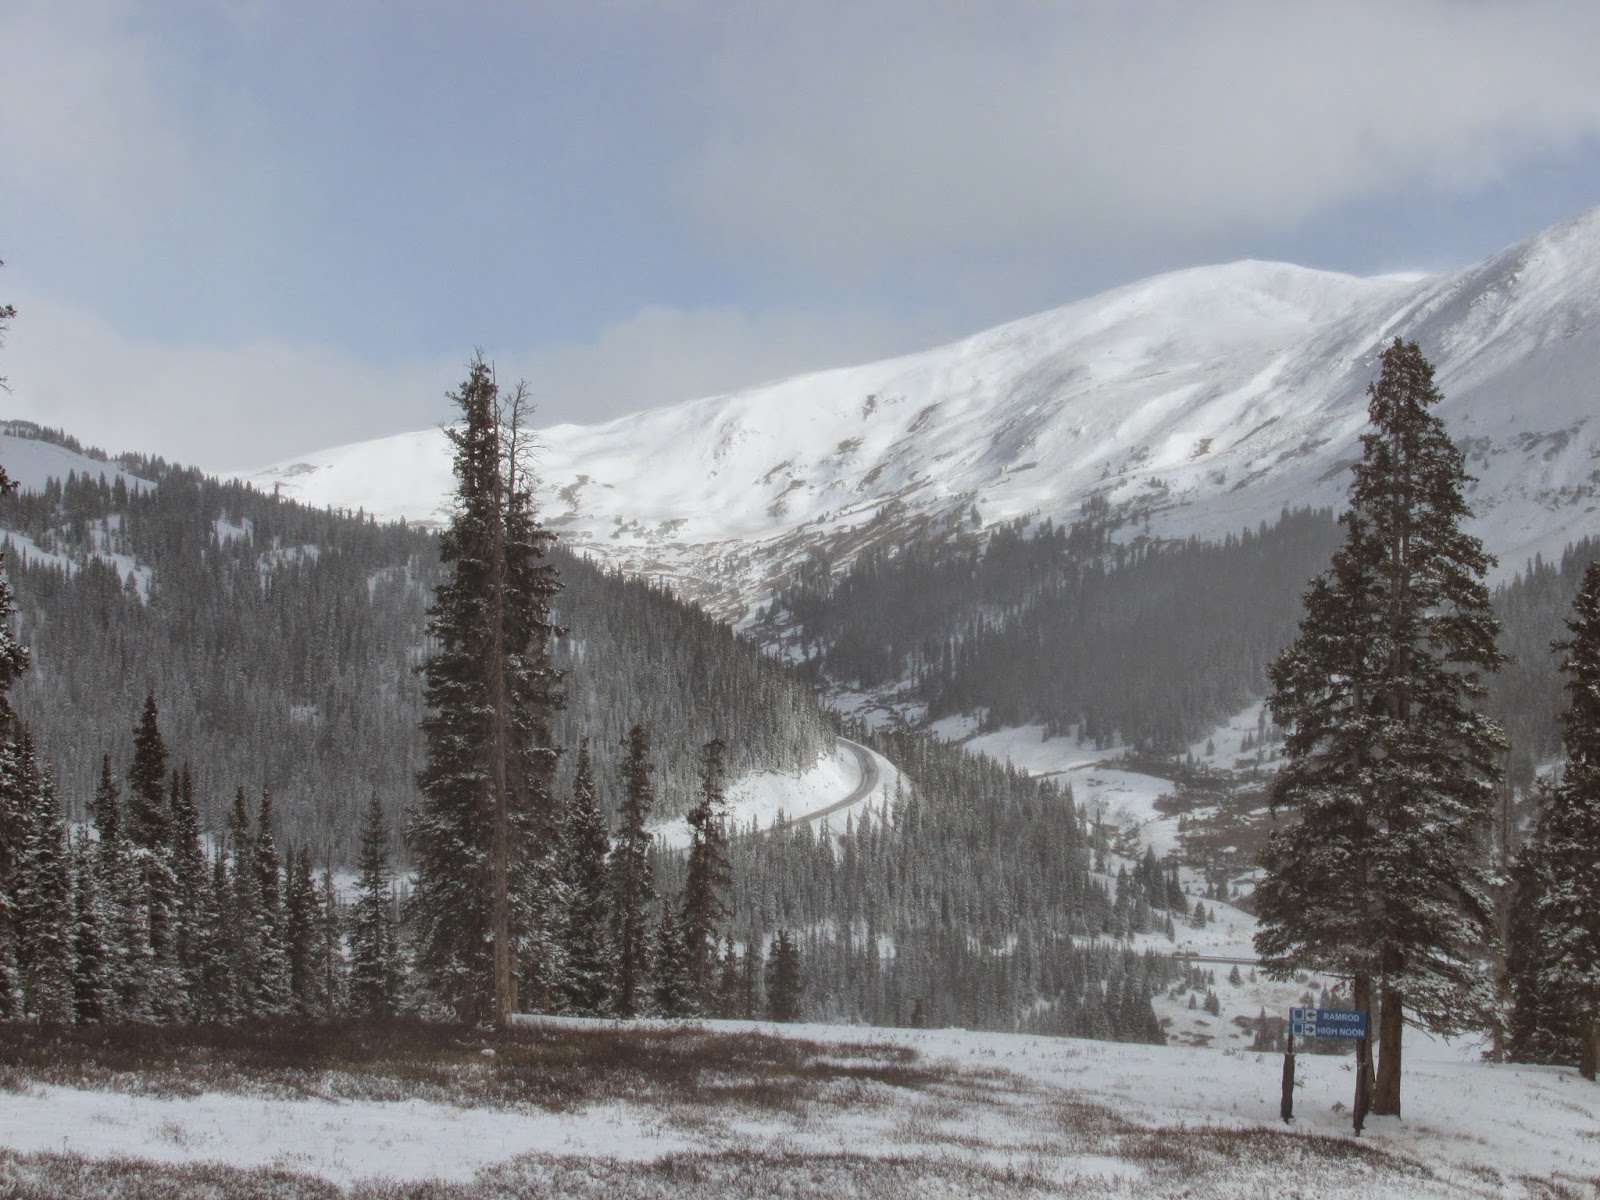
pixel 1328 1022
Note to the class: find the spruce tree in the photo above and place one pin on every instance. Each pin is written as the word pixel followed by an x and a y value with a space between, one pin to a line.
pixel 1563 921
pixel 148 826
pixel 11 831
pixel 13 662
pixel 302 913
pixel 671 990
pixel 93 998
pixel 482 835
pixel 628 872
pixel 191 876
pixel 374 978
pixel 272 968
pixel 1389 766
pixel 585 937
pixel 728 973
pixel 213 991
pixel 708 878
pixel 330 949
pixel 148 820
pixel 122 890
pixel 784 979
pixel 41 889
pixel 244 918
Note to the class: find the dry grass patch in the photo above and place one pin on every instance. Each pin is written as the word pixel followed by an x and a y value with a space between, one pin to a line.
pixel 556 1067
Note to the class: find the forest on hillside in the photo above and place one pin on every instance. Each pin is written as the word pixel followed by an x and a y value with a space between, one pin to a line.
pixel 281 644
pixel 1145 643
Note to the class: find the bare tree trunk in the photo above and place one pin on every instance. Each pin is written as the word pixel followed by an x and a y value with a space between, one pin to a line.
pixel 1386 1088
pixel 1361 989
pixel 1589 1049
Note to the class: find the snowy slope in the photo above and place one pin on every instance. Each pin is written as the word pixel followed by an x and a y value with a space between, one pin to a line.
pixel 1208 398
pixel 31 464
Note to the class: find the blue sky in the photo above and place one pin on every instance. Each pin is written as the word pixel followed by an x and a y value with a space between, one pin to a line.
pixel 235 229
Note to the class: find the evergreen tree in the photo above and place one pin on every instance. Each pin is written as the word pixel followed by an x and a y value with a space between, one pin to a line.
pixel 708 879
pixel 13 662
pixel 11 832
pixel 148 820
pixel 628 872
pixel 243 920
pixel 374 974
pixel 148 826
pixel 482 835
pixel 213 990
pixel 585 940
pixel 272 969
pixel 1390 767
pixel 330 949
pixel 93 998
pixel 671 988
pixel 122 889
pixel 784 981
pixel 191 875
pixel 728 974
pixel 752 968
pixel 302 920
pixel 1562 921
pixel 41 887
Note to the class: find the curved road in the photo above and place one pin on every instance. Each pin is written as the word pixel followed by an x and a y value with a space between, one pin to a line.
pixel 863 788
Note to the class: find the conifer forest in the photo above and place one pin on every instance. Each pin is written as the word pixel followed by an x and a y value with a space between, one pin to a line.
pixel 303 763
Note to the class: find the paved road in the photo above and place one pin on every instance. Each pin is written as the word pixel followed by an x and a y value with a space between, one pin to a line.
pixel 863 788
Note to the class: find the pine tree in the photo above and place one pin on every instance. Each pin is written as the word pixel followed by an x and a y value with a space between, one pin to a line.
pixel 13 662
pixel 1562 923
pixel 585 937
pixel 671 989
pixel 243 918
pixel 148 826
pixel 482 836
pixel 1389 767
pixel 272 968
pixel 11 833
pixel 628 871
pixel 302 913
pixel 148 820
pixel 728 976
pixel 41 888
pixel 784 980
pixel 708 878
pixel 374 978
pixel 213 990
pixel 93 997
pixel 330 949
pixel 192 878
pixel 122 890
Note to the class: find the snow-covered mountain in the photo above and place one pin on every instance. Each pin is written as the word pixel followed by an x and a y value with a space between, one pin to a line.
pixel 1207 399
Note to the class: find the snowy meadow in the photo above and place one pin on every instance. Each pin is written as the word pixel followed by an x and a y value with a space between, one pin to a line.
pixel 568 1107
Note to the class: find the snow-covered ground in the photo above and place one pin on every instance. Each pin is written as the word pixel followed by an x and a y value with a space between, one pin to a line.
pixel 765 797
pixel 1058 1117
pixel 1210 398
pixel 31 464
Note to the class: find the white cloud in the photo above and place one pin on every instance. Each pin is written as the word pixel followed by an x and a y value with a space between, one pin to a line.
pixel 257 402
pixel 874 136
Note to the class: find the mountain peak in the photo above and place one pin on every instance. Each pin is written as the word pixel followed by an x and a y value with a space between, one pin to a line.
pixel 1200 401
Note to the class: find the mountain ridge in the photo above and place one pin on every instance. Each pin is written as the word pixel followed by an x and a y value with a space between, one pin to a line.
pixel 1198 401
